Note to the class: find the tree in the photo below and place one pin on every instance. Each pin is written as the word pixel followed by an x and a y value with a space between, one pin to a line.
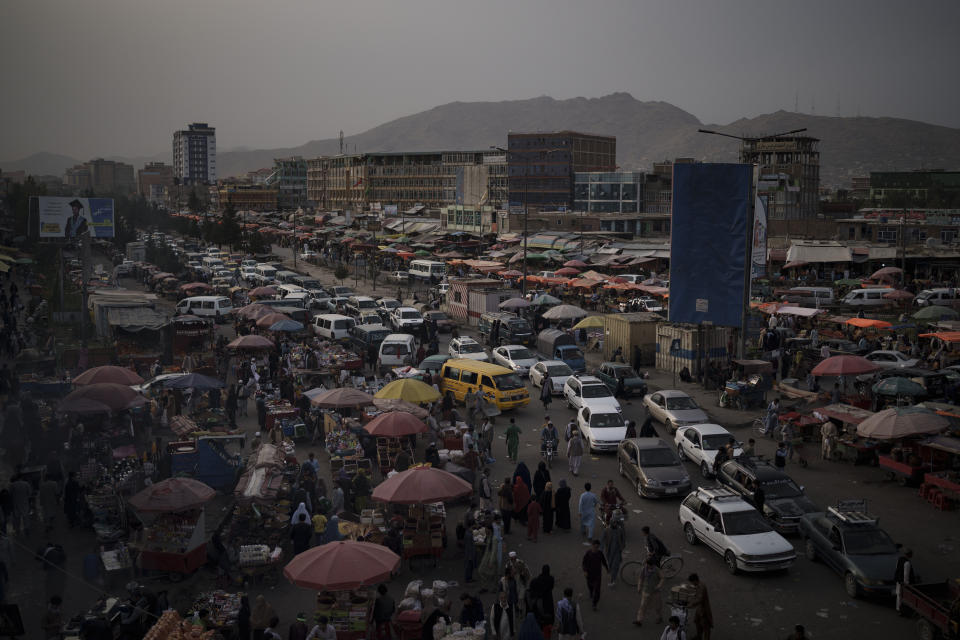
pixel 255 243
pixel 193 202
pixel 229 227
pixel 341 272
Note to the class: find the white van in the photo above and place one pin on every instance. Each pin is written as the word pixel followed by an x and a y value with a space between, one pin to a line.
pixel 427 269
pixel 332 326
pixel 942 297
pixel 285 290
pixel 216 307
pixel 264 274
pixel 283 277
pixel 212 263
pixel 396 350
pixel 813 296
pixel 867 297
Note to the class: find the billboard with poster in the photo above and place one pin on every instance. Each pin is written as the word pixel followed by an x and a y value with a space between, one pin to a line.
pixel 71 217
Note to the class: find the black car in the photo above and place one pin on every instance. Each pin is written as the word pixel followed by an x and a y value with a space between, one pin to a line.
pixel 784 502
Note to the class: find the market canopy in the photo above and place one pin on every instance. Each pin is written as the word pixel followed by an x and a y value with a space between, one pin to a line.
pixel 342 565
pixel 341 398
pixel 195 286
pixel 253 311
pixel 251 343
pixel 864 323
pixel 263 292
pixel 395 424
pixel 115 397
pixel 172 495
pixel 196 381
pixel 545 300
pixel 409 389
pixel 844 366
pixel 421 485
pixel 891 424
pixel 803 312
pixel 805 252
pixel 564 312
pixel 515 303
pixel 108 373
pixel 899 386
pixel 288 325
pixel 886 272
pixel 898 294
pixel 271 319
pixel 946 336
pixel 590 322
pixel 393 404
pixel 936 312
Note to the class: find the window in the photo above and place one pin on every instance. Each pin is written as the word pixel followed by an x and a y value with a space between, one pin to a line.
pixel 451 373
pixel 948 236
pixel 887 234
pixel 486 381
pixel 470 377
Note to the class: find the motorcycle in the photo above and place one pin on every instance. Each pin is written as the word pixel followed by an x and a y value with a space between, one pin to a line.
pixel 548 452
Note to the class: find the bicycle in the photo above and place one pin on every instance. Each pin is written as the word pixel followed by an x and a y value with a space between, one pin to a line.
pixel 759 427
pixel 670 566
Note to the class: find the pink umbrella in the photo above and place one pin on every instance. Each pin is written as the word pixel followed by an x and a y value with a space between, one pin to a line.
pixel 171 495
pixel 116 397
pixel 108 373
pixel 579 264
pixel 394 424
pixel 567 271
pixel 342 565
pixel 251 343
pixel 898 294
pixel 263 292
pixel 253 311
pixel 844 366
pixel 886 272
pixel 341 398
pixel 421 485
pixel 267 321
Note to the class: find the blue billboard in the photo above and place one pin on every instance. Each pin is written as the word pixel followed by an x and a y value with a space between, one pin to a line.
pixel 711 208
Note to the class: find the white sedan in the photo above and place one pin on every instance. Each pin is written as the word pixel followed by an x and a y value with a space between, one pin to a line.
pixel 588 391
pixel 603 429
pixel 558 372
pixel 699 444
pixel 674 409
pixel 890 359
pixel 516 357
pixel 467 348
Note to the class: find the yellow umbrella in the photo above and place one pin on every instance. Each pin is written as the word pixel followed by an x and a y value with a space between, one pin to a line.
pixel 6 258
pixel 410 390
pixel 4 267
pixel 590 322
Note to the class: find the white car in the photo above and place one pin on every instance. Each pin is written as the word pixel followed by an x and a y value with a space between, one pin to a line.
pixel 588 391
pixel 399 276
pixel 558 372
pixel 700 443
pixel 405 319
pixel 729 525
pixel 890 359
pixel 467 349
pixel 516 357
pixel 603 429
pixel 307 254
pixel 650 304
pixel 674 409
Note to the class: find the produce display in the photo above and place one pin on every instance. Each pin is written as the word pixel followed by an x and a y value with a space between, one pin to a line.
pixel 347 611
pixel 224 607
pixel 170 626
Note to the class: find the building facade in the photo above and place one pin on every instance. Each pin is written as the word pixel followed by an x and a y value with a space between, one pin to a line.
pixel 476 220
pixel 195 154
pixel 290 179
pixel 925 188
pixel 789 169
pixel 608 192
pixel 154 182
pixel 541 166
pixel 247 197
pixel 636 224
pixel 101 176
pixel 409 180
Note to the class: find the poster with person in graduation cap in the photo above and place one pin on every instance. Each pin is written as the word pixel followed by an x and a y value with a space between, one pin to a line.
pixel 73 217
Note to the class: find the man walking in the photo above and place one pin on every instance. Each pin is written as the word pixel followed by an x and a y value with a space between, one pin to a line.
pixel 512 435
pixel 568 619
pixel 649 586
pixel 575 452
pixel 593 564
pixel 904 575
pixel 587 508
pixel 703 618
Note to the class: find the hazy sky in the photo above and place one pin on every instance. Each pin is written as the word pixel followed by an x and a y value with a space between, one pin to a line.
pixel 117 77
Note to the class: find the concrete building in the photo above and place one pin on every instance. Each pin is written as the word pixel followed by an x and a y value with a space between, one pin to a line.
pixel 636 224
pixel 409 180
pixel 789 169
pixel 247 197
pixel 155 181
pixel 290 179
pixel 476 220
pixel 101 176
pixel 924 188
pixel 608 192
pixel 541 166
pixel 195 154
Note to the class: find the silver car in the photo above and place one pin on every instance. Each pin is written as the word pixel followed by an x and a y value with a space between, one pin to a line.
pixel 674 409
pixel 558 372
pixel 653 467
pixel 516 357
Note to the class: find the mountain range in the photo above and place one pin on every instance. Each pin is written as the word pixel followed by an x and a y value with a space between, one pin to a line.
pixel 646 132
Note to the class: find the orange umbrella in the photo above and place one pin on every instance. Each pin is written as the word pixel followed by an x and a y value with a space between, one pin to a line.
pixel 844 366
pixel 869 322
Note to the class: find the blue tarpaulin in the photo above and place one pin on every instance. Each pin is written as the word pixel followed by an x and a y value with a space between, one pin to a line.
pixel 711 205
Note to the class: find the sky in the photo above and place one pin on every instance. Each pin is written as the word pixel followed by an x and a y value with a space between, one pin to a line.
pixel 117 77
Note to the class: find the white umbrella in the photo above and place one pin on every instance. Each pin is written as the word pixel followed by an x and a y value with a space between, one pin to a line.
pixel 891 424
pixel 565 312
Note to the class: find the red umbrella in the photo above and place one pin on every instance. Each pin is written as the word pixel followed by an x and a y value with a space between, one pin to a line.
pixel 108 373
pixel 343 565
pixel 116 397
pixel 510 273
pixel 267 321
pixel 421 485
pixel 579 264
pixel 253 311
pixel 844 366
pixel 251 343
pixel 394 424
pixel 341 398
pixel 196 286
pixel 886 272
pixel 262 292
pixel 172 494
pixel 567 271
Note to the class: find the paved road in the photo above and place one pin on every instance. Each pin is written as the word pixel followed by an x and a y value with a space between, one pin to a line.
pixel 745 606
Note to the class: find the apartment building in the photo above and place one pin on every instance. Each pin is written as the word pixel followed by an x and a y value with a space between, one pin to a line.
pixel 101 176
pixel 154 182
pixel 789 169
pixel 195 154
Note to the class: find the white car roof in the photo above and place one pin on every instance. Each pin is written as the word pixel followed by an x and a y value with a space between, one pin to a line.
pixel 673 393
pixel 513 347
pixel 405 309
pixel 707 429
pixel 603 408
pixel 552 363
pixel 591 380
pixel 466 341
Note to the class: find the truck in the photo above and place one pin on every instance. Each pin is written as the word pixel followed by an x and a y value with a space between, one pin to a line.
pixel 137 251
pixel 511 328
pixel 554 344
pixel 938 607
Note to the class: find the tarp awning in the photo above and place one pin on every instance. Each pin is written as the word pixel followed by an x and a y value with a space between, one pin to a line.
pixel 803 312
pixel 946 336
pixel 818 253
pixel 943 443
pixel 137 319
pixel 845 413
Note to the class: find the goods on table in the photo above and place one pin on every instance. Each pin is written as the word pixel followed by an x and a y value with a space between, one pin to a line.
pixel 173 532
pixel 350 464
pixel 252 555
pixel 347 611
pixel 171 626
pixel 116 559
pixel 453 436
pixel 278 410
pixel 388 449
pixel 424 530
pixel 259 524
pixel 342 443
pixel 224 607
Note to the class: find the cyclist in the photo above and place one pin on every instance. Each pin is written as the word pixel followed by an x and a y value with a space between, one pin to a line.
pixel 549 437
pixel 654 545
pixel 610 498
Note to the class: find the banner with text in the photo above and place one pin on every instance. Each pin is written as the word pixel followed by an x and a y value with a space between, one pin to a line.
pixel 72 217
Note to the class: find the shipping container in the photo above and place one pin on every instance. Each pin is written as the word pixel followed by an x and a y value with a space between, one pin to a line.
pixel 635 333
pixel 695 344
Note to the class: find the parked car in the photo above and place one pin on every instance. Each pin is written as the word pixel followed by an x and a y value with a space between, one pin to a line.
pixel 406 319
pixel 399 276
pixel 613 373
pixel 337 304
pixel 602 428
pixel 852 543
pixel 588 391
pixel 307 254
pixel 443 321
pixel 468 349
pixel 699 444
pixel 556 370
pixel 341 290
pixel 433 363
pixel 890 359
pixel 674 409
pixel 652 466
pixel 784 502
pixel 385 306
pixel 730 526
pixel 516 357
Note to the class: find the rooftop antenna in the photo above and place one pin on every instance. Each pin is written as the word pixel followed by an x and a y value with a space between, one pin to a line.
pixel 341 141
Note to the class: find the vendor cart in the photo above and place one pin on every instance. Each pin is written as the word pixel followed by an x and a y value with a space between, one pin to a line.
pixel 348 611
pixel 856 450
pixel 173 543
pixel 425 532
pixel 214 460
pixel 938 608
pixel 753 378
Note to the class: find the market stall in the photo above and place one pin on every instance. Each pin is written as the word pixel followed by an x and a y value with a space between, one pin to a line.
pixel 224 609
pixel 173 539
pixel 393 431
pixel 849 446
pixel 905 426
